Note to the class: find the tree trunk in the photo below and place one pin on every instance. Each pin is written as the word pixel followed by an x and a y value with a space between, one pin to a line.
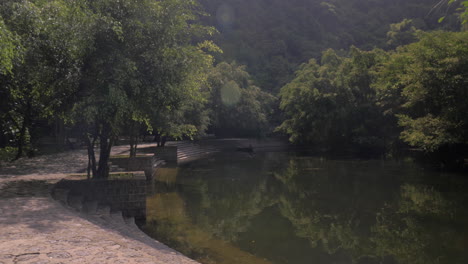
pixel 59 131
pixel 21 140
pixel 133 146
pixel 106 142
pixel 34 136
pixel 134 131
pixel 23 130
pixel 91 157
pixel 88 175
pixel 104 155
pixel 157 138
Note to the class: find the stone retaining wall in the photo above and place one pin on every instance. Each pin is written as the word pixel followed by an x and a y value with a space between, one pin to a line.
pixel 168 153
pixel 128 196
pixel 139 163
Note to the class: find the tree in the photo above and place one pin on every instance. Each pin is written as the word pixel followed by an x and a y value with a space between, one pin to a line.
pixel 189 118
pixel 52 36
pixel 464 13
pixel 463 9
pixel 272 37
pixel 8 48
pixel 402 33
pixel 425 85
pixel 143 62
pixel 332 104
pixel 237 106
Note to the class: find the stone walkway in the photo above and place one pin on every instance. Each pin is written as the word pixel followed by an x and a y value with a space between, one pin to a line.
pixel 34 228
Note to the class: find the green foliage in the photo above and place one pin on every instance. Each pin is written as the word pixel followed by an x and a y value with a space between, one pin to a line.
pixel 230 93
pixel 360 99
pixel 8 48
pixel 113 68
pixel 427 132
pixel 53 36
pixel 424 84
pixel 462 9
pixel 144 69
pixel 333 103
pixel 7 153
pixel 103 67
pixel 464 13
pixel 189 117
pixel 273 37
pixel 238 108
pixel 402 33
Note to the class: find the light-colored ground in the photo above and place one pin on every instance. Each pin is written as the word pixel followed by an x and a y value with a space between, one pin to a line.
pixel 34 228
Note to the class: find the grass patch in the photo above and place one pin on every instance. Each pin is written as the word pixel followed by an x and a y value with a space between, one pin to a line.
pixel 127 156
pixel 120 157
pixel 112 176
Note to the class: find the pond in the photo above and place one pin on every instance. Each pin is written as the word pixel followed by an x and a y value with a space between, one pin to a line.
pixel 288 208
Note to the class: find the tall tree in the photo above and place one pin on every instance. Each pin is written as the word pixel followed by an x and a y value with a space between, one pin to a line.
pixel 143 61
pixel 239 108
pixel 425 85
pixel 8 48
pixel 53 37
pixel 462 9
pixel 273 37
pixel 332 104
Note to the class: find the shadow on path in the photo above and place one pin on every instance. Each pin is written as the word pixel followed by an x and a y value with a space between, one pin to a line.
pixel 33 188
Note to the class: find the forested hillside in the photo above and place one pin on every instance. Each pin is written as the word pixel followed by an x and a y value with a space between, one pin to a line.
pixel 272 37
pixel 373 75
pixel 371 100
pixel 347 74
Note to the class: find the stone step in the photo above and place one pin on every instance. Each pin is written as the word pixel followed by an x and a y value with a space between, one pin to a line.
pixel 117 170
pixel 117 223
pixel 193 154
pixel 159 163
pixel 117 218
pixel 200 150
pixel 90 207
pixel 192 150
pixel 100 214
pixel 76 202
pixel 61 195
pixel 130 221
pixel 103 210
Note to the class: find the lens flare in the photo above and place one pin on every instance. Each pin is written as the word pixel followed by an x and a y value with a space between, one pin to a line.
pixel 225 16
pixel 230 93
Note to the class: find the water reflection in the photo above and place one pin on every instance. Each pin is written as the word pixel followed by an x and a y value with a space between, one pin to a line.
pixel 284 208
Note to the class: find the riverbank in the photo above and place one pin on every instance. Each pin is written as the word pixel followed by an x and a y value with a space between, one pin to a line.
pixel 34 228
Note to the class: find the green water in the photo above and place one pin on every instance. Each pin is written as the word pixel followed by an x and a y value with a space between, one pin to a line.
pixel 286 208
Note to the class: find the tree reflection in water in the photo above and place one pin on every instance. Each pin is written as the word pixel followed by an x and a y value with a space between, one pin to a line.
pixel 283 208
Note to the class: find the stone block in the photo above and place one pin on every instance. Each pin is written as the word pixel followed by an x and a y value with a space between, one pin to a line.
pixel 168 153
